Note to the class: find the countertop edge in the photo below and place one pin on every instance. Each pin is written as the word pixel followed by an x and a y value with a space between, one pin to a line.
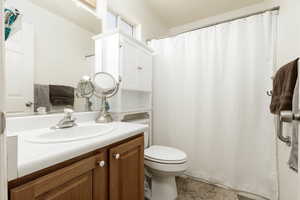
pixel 32 167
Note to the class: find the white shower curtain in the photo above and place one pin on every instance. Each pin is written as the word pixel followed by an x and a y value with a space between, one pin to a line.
pixel 210 101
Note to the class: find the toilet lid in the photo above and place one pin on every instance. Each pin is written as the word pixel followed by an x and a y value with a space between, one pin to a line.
pixel 164 154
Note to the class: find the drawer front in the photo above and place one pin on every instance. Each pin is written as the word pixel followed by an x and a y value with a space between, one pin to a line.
pixel 79 188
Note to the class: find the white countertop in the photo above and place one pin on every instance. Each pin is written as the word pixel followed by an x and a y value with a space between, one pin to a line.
pixel 33 156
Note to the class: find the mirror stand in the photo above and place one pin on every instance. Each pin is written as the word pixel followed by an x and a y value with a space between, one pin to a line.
pixel 103 86
pixel 104 116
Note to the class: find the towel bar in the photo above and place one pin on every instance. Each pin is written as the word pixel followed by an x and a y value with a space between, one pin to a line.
pixel 288 117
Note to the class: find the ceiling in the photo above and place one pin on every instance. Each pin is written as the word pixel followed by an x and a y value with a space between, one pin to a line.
pixel 178 12
pixel 172 12
pixel 69 10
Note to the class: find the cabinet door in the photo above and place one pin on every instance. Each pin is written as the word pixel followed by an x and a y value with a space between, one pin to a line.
pixel 80 181
pixel 100 178
pixel 144 71
pixel 129 66
pixel 136 66
pixel 127 171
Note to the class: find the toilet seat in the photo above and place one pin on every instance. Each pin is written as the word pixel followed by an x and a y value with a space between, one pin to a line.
pixel 165 155
pixel 164 163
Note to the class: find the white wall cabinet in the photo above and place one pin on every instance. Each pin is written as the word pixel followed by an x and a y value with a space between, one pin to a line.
pixel 127 58
pixel 131 61
pixel 136 65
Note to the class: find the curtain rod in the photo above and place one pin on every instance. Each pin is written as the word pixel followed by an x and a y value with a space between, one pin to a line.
pixel 217 23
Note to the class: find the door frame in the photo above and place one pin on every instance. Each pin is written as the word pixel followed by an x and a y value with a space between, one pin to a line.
pixel 3 155
pixel 298 131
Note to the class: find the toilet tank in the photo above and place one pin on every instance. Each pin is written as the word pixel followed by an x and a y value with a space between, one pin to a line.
pixel 141 118
pixel 146 133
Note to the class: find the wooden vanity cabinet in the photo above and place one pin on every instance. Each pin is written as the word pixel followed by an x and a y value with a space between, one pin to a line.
pixel 84 180
pixel 112 173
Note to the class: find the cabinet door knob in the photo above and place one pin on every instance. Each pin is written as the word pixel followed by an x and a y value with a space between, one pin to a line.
pixel 139 68
pixel 117 156
pixel 101 163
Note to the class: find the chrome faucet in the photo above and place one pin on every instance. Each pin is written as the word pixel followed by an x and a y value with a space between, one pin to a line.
pixel 68 121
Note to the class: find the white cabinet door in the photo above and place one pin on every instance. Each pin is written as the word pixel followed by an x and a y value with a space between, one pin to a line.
pixel 144 71
pixel 129 66
pixel 20 70
pixel 136 66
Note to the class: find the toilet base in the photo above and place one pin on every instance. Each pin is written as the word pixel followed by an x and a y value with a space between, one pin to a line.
pixel 164 188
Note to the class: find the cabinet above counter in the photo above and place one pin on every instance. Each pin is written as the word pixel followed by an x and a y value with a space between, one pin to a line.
pixel 130 61
pixel 126 58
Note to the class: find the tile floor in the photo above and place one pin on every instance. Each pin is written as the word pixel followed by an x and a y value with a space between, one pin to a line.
pixel 189 189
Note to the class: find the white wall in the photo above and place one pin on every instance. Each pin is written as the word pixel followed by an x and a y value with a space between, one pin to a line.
pixel 288 49
pixel 60 45
pixel 138 12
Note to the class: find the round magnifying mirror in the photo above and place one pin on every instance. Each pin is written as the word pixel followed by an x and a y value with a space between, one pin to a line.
pixel 105 84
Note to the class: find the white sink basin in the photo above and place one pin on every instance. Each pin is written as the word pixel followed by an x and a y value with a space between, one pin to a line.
pixel 80 132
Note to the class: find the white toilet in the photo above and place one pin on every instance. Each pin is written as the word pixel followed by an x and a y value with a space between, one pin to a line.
pixel 164 163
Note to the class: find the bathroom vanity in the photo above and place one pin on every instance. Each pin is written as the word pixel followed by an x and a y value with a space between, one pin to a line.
pixel 116 171
pixel 108 166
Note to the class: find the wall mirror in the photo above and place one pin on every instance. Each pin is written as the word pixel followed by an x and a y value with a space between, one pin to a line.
pixel 50 48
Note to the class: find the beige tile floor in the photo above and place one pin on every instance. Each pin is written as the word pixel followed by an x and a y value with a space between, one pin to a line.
pixel 189 189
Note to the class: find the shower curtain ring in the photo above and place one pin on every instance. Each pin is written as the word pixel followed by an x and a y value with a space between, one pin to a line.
pixel 270 93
